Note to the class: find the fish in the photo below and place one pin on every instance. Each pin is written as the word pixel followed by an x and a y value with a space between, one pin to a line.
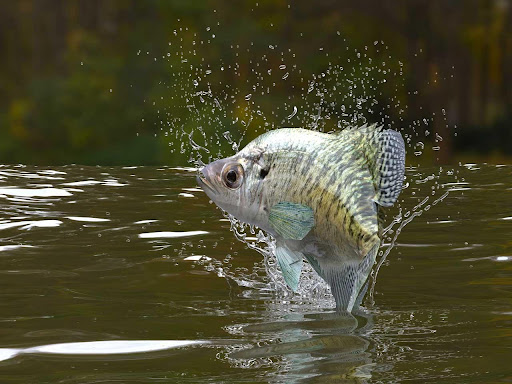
pixel 319 195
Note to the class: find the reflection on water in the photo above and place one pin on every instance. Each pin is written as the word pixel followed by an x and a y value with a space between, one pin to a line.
pixel 310 347
pixel 135 259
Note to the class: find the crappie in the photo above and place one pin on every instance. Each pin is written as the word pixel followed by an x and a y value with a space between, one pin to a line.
pixel 318 194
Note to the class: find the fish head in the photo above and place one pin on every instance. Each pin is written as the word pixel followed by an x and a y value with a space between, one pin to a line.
pixel 235 184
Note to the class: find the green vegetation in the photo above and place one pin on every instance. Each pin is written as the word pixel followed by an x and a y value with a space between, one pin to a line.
pixel 96 82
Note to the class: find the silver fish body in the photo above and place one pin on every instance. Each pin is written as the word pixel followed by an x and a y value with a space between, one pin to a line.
pixel 318 195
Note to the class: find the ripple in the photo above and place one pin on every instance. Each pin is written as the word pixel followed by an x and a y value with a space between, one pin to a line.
pixel 13 247
pixel 197 258
pixel 39 192
pixel 44 272
pixel 162 235
pixel 32 224
pixel 442 222
pixel 111 347
pixel 107 264
pixel 107 182
pixel 87 219
pixel 187 169
pixel 466 248
pixel 82 183
pixel 107 347
pixel 145 221
pixel 493 258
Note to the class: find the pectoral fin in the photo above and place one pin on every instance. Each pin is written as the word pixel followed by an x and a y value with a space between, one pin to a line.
pixel 291 265
pixel 291 221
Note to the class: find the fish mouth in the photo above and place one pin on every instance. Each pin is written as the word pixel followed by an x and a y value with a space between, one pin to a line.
pixel 203 182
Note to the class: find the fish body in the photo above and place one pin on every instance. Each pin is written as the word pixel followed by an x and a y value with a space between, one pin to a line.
pixel 318 194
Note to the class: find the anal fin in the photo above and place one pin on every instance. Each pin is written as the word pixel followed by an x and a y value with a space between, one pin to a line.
pixel 314 264
pixel 290 263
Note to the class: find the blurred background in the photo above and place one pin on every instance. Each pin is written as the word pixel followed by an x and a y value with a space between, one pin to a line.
pixel 87 81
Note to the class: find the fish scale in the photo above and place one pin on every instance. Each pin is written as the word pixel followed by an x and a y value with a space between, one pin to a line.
pixel 348 173
pixel 318 195
pixel 345 174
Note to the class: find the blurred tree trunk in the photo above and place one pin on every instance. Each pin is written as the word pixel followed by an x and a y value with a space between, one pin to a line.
pixel 60 31
pixel 507 62
pixel 38 10
pixel 88 14
pixel 49 37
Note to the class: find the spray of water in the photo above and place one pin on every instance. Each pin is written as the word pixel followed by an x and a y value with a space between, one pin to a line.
pixel 218 106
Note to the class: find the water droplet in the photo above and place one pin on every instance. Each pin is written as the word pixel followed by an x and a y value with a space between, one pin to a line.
pixel 290 116
pixel 227 136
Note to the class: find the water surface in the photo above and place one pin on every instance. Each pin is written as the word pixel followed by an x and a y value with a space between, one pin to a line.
pixel 137 258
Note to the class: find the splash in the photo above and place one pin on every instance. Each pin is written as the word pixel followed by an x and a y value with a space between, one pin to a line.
pixel 311 288
pixel 219 106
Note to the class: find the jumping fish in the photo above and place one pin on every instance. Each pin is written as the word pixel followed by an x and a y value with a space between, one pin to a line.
pixel 318 195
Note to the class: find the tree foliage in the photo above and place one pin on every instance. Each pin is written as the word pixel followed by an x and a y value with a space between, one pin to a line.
pixel 91 81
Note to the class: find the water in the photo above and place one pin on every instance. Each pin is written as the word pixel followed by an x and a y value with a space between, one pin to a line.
pixel 113 255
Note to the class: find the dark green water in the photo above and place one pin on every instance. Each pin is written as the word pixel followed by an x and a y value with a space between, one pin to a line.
pixel 443 299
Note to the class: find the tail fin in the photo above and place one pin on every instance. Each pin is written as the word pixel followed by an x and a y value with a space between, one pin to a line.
pixel 346 280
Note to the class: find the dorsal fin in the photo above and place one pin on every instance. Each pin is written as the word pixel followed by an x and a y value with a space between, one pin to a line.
pixel 386 158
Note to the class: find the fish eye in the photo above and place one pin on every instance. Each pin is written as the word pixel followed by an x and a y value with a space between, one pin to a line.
pixel 233 175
